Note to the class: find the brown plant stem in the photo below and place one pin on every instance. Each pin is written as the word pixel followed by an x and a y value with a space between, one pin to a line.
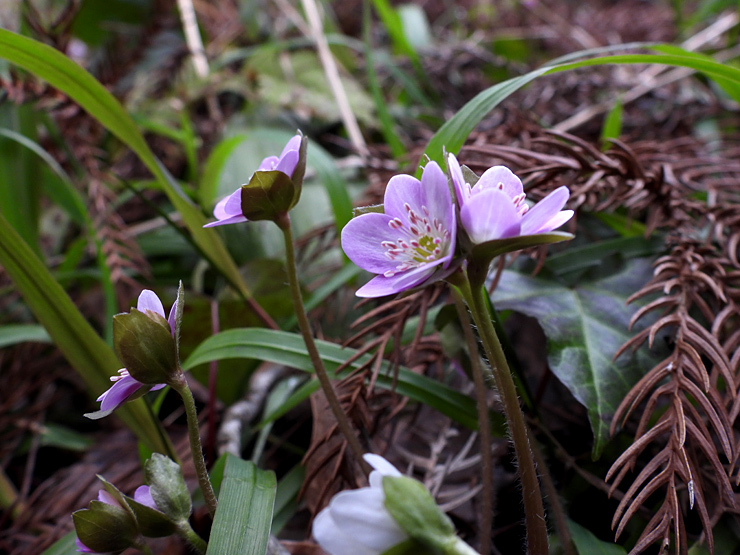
pixel 471 287
pixel 481 393
pixel 304 325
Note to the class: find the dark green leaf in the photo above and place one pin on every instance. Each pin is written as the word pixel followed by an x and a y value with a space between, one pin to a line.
pixel 13 334
pixel 267 195
pixel 105 528
pixel 152 523
pixel 588 544
pixel 585 325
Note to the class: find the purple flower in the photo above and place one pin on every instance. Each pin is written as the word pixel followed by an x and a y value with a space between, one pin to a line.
pixel 108 499
pixel 412 241
pixel 495 208
pixel 125 387
pixel 229 209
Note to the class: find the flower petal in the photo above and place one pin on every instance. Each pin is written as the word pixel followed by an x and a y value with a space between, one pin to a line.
pixel 229 206
pixel 362 515
pixel 499 175
pixel 144 496
pixel 227 221
pixel 401 190
pixel 436 194
pixel 171 318
pixel 269 163
pixel 332 538
pixel 148 300
pixel 380 286
pixel 107 498
pixel 382 468
pixel 362 240
pixel 82 548
pixel 538 218
pixel 287 163
pixel 490 215
pixel 119 393
pixel 293 144
pixel 458 180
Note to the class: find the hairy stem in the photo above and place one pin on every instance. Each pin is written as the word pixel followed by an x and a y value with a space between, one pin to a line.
pixel 197 543
pixel 484 421
pixel 180 384
pixel 303 324
pixel 473 292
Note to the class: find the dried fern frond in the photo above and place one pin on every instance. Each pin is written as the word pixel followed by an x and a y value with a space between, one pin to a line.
pixel 692 386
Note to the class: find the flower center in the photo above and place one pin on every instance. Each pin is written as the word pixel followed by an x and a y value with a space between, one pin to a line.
pixel 421 240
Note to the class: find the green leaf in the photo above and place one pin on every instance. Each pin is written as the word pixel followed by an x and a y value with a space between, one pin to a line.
pixel 485 252
pixel 211 177
pixel 588 544
pixel 167 487
pixel 12 334
pixel 244 515
pixel 585 325
pixel 105 528
pixel 286 497
pixel 612 123
pixel 64 546
pixel 289 349
pixel 84 349
pixel 455 131
pixel 67 76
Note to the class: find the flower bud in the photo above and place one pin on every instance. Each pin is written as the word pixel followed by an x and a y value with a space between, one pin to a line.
pixel 167 488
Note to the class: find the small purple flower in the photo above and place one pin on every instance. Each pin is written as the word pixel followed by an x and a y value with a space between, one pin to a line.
pixel 143 495
pixel 495 208
pixel 229 209
pixel 108 499
pixel 411 241
pixel 125 386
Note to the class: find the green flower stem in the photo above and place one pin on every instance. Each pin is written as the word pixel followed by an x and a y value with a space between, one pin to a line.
pixel 481 393
pixel 197 543
pixel 343 422
pixel 180 384
pixel 471 287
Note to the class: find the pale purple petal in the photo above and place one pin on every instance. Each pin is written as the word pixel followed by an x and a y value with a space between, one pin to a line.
pixel 437 197
pixel 332 538
pixel 171 318
pixel 157 387
pixel 490 215
pixel 363 516
pixel 499 177
pixel 462 190
pixel 144 496
pixel 119 393
pixel 294 144
pixel 380 286
pixel 82 548
pixel 107 498
pixel 220 212
pixel 538 218
pixel 148 300
pixel 227 221
pixel 287 163
pixel 362 240
pixel 268 163
pixel 400 191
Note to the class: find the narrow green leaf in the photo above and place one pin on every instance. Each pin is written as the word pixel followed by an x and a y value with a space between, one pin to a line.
pixel 286 497
pixel 19 333
pixel 64 546
pixel 612 124
pixel 455 131
pixel 247 499
pixel 73 335
pixel 67 76
pixel 288 349
pixel 214 167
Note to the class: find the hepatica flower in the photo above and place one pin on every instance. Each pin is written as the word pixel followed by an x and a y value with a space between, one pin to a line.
pixel 125 386
pixel 231 210
pixel 356 522
pixel 495 207
pixel 412 241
